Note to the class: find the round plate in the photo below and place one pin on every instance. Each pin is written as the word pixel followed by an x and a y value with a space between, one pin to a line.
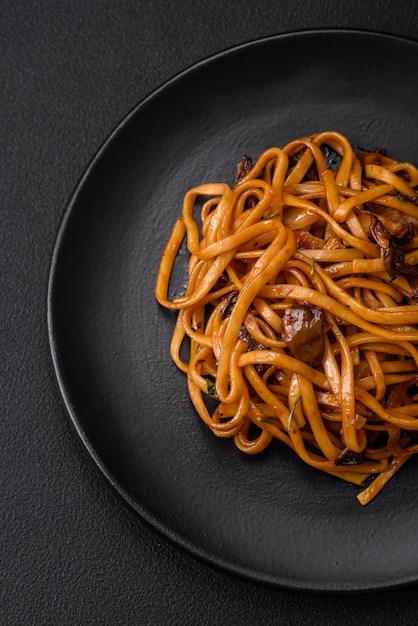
pixel 268 518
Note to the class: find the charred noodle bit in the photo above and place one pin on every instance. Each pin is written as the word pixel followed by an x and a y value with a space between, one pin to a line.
pixel 299 307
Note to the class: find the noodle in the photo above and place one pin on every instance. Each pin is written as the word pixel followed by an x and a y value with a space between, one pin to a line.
pixel 300 308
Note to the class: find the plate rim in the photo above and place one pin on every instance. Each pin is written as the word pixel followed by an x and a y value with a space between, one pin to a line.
pixel 152 521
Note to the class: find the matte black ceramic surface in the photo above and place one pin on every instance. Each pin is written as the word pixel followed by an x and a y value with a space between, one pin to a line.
pixel 268 518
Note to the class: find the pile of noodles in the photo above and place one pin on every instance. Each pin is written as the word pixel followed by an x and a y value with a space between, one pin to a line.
pixel 300 306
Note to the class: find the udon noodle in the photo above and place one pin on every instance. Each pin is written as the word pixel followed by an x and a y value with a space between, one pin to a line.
pixel 300 306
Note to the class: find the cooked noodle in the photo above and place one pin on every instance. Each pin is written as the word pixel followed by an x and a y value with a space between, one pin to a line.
pixel 300 308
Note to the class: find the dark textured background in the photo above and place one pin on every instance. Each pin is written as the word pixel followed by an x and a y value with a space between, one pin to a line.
pixel 71 552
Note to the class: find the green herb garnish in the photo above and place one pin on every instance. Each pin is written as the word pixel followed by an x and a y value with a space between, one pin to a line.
pixel 292 410
pixel 265 420
pixel 400 196
pixel 211 388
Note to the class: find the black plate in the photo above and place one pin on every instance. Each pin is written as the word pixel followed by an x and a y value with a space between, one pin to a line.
pixel 268 518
